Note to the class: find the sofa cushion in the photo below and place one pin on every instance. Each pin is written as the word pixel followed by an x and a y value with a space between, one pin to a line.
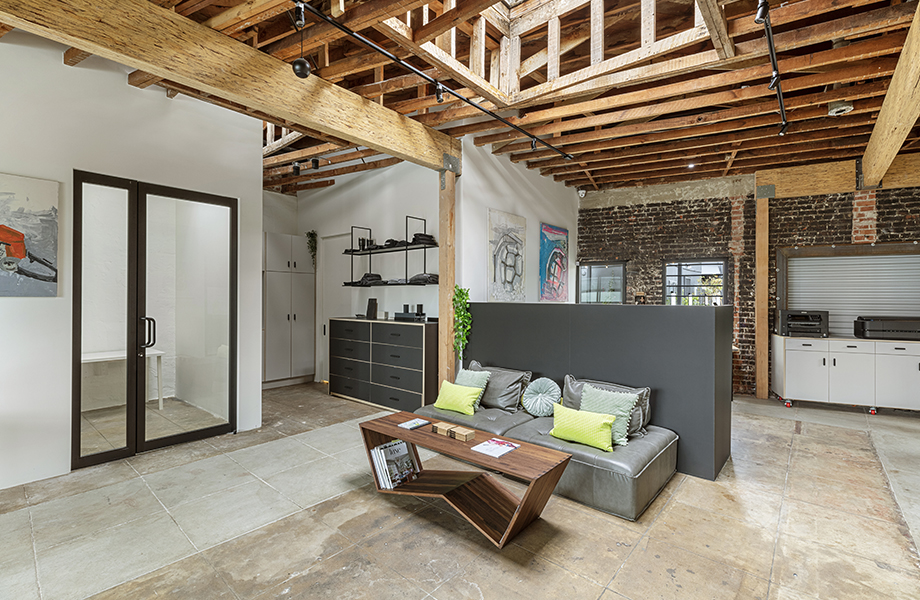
pixel 541 396
pixel 476 379
pixel 618 404
pixel 505 387
pixel 573 388
pixel 492 420
pixel 584 427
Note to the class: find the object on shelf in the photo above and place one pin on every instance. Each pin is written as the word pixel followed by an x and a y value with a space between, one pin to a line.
pixel 424 238
pixel 395 464
pixel 371 314
pixel 369 279
pixel 424 279
pixel 367 246
pixel 411 317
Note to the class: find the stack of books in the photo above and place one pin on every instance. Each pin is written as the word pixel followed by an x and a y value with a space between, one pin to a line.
pixel 395 464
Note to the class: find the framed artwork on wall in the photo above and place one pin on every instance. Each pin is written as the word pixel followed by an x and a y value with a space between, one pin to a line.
pixel 507 245
pixel 28 236
pixel 554 263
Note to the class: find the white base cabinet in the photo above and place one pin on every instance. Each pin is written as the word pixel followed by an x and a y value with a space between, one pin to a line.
pixel 847 371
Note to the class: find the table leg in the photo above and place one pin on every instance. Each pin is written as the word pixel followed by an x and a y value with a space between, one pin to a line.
pixel 160 379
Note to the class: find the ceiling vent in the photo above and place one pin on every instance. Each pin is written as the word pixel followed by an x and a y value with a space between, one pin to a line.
pixel 841 107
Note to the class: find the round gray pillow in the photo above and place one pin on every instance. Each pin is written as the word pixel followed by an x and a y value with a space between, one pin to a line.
pixel 540 396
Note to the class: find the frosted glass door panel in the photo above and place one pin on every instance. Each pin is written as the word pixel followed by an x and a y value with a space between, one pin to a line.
pixel 188 287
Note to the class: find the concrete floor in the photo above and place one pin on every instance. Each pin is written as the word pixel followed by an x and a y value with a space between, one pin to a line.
pixel 814 504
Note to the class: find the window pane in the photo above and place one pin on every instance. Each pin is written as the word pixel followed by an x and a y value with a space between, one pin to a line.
pixel 601 283
pixel 694 283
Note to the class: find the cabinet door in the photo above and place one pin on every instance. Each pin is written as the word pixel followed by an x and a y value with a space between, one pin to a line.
pixel 852 378
pixel 897 381
pixel 806 375
pixel 302 323
pixel 300 255
pixel 277 252
pixel 277 325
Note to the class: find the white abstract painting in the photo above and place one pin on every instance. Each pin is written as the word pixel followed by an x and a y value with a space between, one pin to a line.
pixel 507 244
pixel 28 236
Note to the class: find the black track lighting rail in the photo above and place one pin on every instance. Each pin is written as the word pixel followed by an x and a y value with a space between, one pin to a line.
pixel 439 87
pixel 763 17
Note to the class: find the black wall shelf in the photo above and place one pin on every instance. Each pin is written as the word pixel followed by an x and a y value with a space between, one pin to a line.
pixel 357 251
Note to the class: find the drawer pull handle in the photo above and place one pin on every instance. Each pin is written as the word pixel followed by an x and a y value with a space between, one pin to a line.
pixel 852 346
pixel 900 348
pixel 823 362
pixel 349 331
pixel 835 362
pixel 348 387
pixel 349 349
pixel 806 344
pixel 348 369
pixel 394 377
pixel 394 356
pixel 396 334
pixel 394 399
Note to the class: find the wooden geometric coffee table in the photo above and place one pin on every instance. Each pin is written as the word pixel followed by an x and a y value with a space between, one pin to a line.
pixel 489 506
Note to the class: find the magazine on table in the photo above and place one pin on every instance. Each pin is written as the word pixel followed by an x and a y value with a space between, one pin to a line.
pixel 395 464
pixel 496 447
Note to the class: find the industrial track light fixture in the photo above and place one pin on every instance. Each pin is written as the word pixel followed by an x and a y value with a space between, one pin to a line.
pixel 439 87
pixel 300 65
pixel 762 17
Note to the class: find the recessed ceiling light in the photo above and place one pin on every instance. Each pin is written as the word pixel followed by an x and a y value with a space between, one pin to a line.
pixel 691 165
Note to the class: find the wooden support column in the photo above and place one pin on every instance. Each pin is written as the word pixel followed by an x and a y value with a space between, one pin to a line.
pixel 762 299
pixel 553 50
pixel 446 276
pixel 648 22
pixel 447 41
pixel 711 14
pixel 478 47
pixel 597 30
pixel 495 69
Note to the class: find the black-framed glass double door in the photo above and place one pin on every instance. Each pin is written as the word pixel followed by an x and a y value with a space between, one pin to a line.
pixel 154 327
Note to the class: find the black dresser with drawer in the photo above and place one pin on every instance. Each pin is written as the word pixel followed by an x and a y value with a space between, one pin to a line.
pixel 389 363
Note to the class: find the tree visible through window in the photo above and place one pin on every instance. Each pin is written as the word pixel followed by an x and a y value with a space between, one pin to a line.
pixel 602 284
pixel 695 283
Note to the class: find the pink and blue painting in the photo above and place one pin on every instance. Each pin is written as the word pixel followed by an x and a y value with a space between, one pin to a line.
pixel 554 263
pixel 28 236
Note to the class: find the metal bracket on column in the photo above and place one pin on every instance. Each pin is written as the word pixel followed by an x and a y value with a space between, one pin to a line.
pixel 860 182
pixel 452 164
pixel 766 191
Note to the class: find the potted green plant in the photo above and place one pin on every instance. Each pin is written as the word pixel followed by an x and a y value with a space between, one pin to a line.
pixel 463 321
pixel 311 243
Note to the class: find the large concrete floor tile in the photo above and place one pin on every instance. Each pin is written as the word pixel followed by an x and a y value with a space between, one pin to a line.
pixel 657 570
pixel 81 480
pixel 261 559
pixel 748 425
pixel 778 592
pixel 356 457
pixel 830 574
pixel 172 456
pixel 229 513
pixel 739 544
pixel 18 580
pixel 96 562
pixel 859 450
pixel 579 541
pixel 314 482
pixel 16 528
pixel 748 405
pixel 67 518
pixel 768 449
pixel 870 538
pixel 349 575
pixel 427 548
pixel 244 439
pixel 516 574
pixel 267 459
pixel 191 578
pixel 737 500
pixel 196 480
pixel 332 439
pixel 365 512
pixel 902 422
pixel 870 502
pixel 850 472
pixel 839 417
pixel 651 514
pixel 373 415
pixel 770 477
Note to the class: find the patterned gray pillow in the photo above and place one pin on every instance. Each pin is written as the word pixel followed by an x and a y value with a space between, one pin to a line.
pixel 540 397
pixel 505 387
pixel 573 388
pixel 477 379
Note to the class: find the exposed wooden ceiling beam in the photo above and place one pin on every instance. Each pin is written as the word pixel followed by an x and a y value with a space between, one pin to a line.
pixel 379 164
pixel 5 29
pixel 899 112
pixel 465 10
pixel 247 14
pixel 311 186
pixel 142 79
pixel 284 173
pixel 394 84
pixel 284 142
pixel 718 27
pixel 296 155
pixel 162 43
pixel 74 56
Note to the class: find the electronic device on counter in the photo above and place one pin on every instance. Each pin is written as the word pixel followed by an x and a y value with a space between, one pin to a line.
pixel 801 323
pixel 887 328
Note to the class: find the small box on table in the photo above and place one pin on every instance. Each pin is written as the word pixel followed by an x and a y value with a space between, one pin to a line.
pixel 461 433
pixel 442 428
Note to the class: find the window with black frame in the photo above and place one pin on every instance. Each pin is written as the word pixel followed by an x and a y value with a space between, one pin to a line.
pixel 602 283
pixel 695 283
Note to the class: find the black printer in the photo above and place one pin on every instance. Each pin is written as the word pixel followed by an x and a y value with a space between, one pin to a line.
pixel 804 323
pixel 887 328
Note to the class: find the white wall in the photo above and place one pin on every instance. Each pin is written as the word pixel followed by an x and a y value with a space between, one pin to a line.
pixel 55 119
pixel 279 213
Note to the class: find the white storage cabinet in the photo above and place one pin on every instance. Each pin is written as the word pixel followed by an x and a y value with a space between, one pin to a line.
pixel 289 289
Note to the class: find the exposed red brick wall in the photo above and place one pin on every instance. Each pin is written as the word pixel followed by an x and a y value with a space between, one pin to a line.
pixel 648 235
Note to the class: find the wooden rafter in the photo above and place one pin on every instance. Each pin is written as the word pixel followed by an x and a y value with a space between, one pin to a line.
pixel 450 19
pixel 283 175
pixel 284 142
pixel 899 112
pixel 5 29
pixel 718 27
pixel 74 56
pixel 379 164
pixel 190 54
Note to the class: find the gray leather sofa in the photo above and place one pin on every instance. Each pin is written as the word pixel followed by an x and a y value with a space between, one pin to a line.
pixel 623 482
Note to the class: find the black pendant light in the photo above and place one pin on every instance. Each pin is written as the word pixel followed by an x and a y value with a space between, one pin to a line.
pixel 300 65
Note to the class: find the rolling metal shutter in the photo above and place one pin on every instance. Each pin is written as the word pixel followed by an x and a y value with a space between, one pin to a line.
pixel 854 286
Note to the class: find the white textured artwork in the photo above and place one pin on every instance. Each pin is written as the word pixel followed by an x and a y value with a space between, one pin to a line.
pixel 28 236
pixel 506 256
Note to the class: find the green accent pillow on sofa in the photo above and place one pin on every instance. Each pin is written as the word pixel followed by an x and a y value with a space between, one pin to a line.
pixel 618 404
pixel 477 379
pixel 589 428
pixel 457 398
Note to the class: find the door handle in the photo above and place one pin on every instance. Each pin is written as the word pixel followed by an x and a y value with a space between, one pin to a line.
pixel 151 332
pixel 835 362
pixel 823 362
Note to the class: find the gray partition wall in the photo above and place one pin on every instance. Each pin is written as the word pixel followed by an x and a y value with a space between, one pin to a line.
pixel 683 353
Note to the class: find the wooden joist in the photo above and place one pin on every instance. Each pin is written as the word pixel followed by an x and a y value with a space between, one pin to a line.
pixel 380 164
pixel 247 14
pixel 296 155
pixel 899 112
pixel 284 142
pixel 284 173
pixel 165 44
pixel 142 79
pixel 465 10
pixel 74 56
pixel 5 29
pixel 718 27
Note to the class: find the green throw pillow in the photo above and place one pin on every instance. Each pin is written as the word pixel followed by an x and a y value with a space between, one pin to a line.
pixel 476 379
pixel 618 404
pixel 457 398
pixel 589 428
